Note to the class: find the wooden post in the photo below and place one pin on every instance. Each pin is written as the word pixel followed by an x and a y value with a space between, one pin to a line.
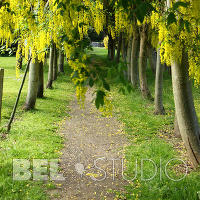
pixel 1 88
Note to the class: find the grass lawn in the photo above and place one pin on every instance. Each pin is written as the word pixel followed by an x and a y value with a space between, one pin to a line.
pixel 152 137
pixel 33 134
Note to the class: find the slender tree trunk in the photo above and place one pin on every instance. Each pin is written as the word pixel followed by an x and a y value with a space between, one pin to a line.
pixel 61 62
pixel 119 47
pixel 32 85
pixel 111 47
pixel 50 72
pixel 124 48
pixel 55 63
pixel 134 57
pixel 185 110
pixel 128 59
pixel 124 52
pixel 142 64
pixel 151 58
pixel 159 108
pixel 40 93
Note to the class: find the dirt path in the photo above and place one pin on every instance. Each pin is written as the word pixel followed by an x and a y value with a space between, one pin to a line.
pixel 91 144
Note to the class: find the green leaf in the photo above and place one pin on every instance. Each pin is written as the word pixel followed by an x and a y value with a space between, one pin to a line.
pixel 180 3
pixel 187 25
pixel 99 101
pixel 106 85
pixel 91 82
pixel 171 18
pixel 82 24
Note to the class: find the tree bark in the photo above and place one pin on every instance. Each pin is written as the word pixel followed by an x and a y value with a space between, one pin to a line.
pixel 142 64
pixel 50 72
pixel 55 64
pixel 40 93
pixel 32 85
pixel 111 48
pixel 124 48
pixel 61 62
pixel 134 57
pixel 159 108
pixel 185 110
pixel 152 61
pixel 176 127
pixel 128 59
pixel 119 47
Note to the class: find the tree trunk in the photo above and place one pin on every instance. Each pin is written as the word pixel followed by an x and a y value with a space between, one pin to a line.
pixel 40 93
pixel 111 48
pixel 151 58
pixel 32 85
pixel 124 52
pixel 124 48
pixel 50 72
pixel 185 110
pixel 134 57
pixel 159 108
pixel 61 62
pixel 142 63
pixel 55 64
pixel 176 127
pixel 128 59
pixel 119 47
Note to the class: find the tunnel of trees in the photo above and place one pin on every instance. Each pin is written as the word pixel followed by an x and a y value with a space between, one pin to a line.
pixel 161 33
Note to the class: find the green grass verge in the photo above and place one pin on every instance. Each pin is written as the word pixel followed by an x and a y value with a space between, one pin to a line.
pixel 33 134
pixel 143 128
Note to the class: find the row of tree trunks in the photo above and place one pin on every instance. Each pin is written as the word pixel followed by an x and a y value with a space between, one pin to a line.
pixel 136 59
pixel 36 77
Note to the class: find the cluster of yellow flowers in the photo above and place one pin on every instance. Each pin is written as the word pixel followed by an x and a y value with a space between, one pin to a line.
pixel 121 21
pixel 79 78
pixel 180 35
pixel 36 23
pixel 105 41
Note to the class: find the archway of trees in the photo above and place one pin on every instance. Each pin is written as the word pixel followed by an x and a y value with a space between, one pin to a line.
pixel 138 27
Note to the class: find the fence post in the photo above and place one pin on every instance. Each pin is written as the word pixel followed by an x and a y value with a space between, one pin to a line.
pixel 1 88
